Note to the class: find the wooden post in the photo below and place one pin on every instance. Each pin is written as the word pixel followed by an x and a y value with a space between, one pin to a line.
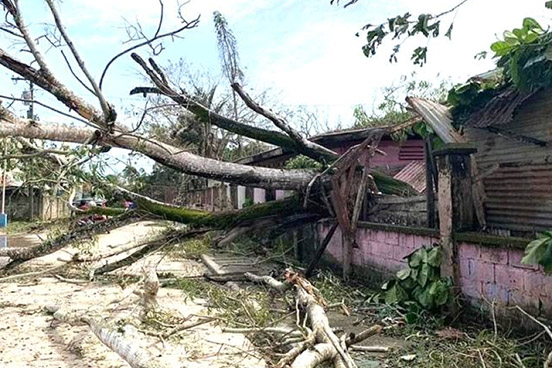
pixel 456 210
pixel 430 194
pixel 31 194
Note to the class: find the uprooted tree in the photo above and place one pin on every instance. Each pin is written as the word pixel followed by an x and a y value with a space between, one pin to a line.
pixel 337 190
pixel 319 193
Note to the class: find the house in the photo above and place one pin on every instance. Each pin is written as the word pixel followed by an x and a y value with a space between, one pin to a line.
pixel 402 159
pixel 513 138
pixel 26 203
pixel 501 155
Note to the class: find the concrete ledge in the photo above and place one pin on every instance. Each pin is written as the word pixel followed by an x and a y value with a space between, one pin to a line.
pixel 491 240
pixel 413 230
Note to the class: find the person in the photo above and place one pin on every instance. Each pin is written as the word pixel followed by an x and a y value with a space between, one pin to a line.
pixel 84 205
pixel 129 204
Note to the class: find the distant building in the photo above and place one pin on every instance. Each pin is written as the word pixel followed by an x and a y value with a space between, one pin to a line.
pixel 26 203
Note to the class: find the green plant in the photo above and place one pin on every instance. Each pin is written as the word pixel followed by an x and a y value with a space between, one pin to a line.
pixel 303 162
pixel 419 286
pixel 524 61
pixel 248 202
pixel 525 54
pixel 539 251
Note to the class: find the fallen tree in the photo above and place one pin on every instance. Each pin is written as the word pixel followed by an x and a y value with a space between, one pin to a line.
pixel 19 255
pixel 99 127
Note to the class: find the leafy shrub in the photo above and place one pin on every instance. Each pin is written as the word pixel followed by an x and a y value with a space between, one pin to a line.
pixel 420 283
pixel 303 162
pixel 525 54
pixel 539 251
pixel 248 202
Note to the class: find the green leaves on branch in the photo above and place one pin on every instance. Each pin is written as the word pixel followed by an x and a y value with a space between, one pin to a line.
pixel 303 162
pixel 403 26
pixel 420 284
pixel 524 61
pixel 539 251
pixel 525 55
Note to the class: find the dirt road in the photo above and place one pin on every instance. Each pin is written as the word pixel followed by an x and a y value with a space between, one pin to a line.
pixel 30 337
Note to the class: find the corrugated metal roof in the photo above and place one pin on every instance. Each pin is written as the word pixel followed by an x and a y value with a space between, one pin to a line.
pixel 414 174
pixel 438 117
pixel 499 110
pixel 518 191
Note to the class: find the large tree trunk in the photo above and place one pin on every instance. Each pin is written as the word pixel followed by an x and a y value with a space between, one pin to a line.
pixel 165 154
pixel 180 160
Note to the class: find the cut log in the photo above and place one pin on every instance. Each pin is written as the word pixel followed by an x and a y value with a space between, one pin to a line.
pixel 321 328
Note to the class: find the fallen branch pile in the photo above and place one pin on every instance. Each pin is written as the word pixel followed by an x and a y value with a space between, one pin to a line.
pixel 319 343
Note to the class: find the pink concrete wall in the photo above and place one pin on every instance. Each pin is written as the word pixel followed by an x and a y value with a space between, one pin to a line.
pixel 497 274
pixel 380 250
pixel 259 195
pixel 486 272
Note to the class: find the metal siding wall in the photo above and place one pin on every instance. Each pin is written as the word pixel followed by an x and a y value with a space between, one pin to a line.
pixel 519 190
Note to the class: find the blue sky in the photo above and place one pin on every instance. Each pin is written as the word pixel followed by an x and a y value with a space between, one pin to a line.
pixel 304 51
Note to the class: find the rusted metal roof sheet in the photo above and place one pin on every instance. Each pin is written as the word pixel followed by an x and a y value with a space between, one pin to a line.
pixel 498 111
pixel 414 174
pixel 520 198
pixel 438 117
pixel 519 188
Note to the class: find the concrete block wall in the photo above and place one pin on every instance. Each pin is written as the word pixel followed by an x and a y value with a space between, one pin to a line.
pixel 377 250
pixel 487 271
pixel 496 273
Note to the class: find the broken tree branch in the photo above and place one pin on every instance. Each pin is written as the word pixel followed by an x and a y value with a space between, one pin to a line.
pixel 283 124
pixel 110 337
pixel 320 250
pixel 206 115
pixel 109 113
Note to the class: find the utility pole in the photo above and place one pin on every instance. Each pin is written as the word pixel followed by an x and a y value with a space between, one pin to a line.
pixel 3 215
pixel 30 97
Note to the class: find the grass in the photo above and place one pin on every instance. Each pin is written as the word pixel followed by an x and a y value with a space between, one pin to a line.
pixel 475 347
pixel 192 249
pixel 21 227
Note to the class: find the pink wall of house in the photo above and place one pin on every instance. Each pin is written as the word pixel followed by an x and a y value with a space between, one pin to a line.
pixel 393 158
pixel 486 271
pixel 259 195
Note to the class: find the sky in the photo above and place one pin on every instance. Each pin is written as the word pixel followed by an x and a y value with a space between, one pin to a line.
pixel 304 52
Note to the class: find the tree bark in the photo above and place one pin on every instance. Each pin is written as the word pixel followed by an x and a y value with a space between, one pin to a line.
pixel 50 246
pixel 164 154
pixel 129 351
